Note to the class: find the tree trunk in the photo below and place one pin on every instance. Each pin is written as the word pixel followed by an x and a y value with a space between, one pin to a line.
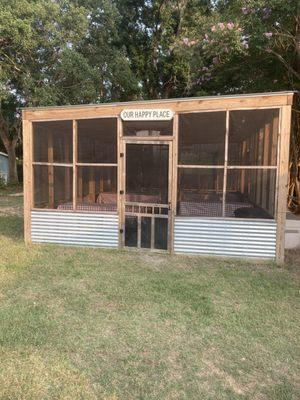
pixel 297 39
pixel 12 163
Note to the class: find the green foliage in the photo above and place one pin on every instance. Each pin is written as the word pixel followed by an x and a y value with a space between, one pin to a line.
pixel 80 51
pixel 149 31
pixel 59 52
pixel 55 52
pixel 243 46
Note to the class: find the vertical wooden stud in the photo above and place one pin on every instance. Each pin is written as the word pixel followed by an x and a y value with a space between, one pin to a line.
pixel 256 171
pixel 79 193
pixel 50 170
pixel 285 127
pixel 74 165
pixel 92 186
pixel 260 162
pixel 265 161
pixel 225 164
pixel 244 150
pixel 101 184
pixel 27 178
pixel 67 191
pixel 120 183
pixel 170 198
pixel 275 152
pixel 173 184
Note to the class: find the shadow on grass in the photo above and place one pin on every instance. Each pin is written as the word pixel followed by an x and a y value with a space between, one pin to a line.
pixel 11 226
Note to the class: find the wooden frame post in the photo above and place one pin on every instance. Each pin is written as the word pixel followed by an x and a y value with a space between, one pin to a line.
pixel 27 178
pixel 120 181
pixel 174 178
pixel 171 190
pixel 74 165
pixel 282 174
pixel 225 164
pixel 50 170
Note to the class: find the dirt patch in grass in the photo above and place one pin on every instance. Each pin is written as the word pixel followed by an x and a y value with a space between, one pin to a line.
pixel 223 375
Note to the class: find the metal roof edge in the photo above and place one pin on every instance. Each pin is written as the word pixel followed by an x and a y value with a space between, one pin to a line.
pixel 175 99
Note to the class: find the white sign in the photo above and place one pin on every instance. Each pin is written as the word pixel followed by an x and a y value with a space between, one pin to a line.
pixel 147 114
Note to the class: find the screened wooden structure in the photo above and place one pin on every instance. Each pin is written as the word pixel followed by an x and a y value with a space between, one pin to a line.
pixel 197 175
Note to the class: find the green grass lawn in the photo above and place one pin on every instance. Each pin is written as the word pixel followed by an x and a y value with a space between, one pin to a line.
pixel 80 323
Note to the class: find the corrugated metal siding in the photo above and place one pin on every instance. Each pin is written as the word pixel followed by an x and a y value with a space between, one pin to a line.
pixel 224 237
pixel 83 229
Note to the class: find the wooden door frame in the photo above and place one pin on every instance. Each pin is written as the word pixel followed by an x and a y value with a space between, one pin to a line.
pixel 124 140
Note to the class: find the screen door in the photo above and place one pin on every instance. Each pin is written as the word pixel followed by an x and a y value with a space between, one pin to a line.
pixel 147 203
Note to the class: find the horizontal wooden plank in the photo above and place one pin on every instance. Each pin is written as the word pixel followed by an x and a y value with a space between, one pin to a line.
pixel 176 105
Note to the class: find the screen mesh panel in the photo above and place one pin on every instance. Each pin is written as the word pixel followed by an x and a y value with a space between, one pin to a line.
pixel 148 128
pixel 97 140
pixel 53 141
pixel 201 138
pixel 97 186
pixel 131 229
pixel 250 193
pixel 40 186
pixel 63 186
pixel 145 232
pixel 253 137
pixel 161 234
pixel 147 168
pixel 200 192
pixel 53 186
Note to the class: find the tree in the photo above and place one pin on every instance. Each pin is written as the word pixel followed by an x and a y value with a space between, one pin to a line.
pixel 35 36
pixel 248 46
pixel 243 46
pixel 10 130
pixel 106 53
pixel 56 52
pixel 150 30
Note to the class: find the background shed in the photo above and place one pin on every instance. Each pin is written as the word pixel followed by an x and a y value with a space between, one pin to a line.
pixel 4 166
